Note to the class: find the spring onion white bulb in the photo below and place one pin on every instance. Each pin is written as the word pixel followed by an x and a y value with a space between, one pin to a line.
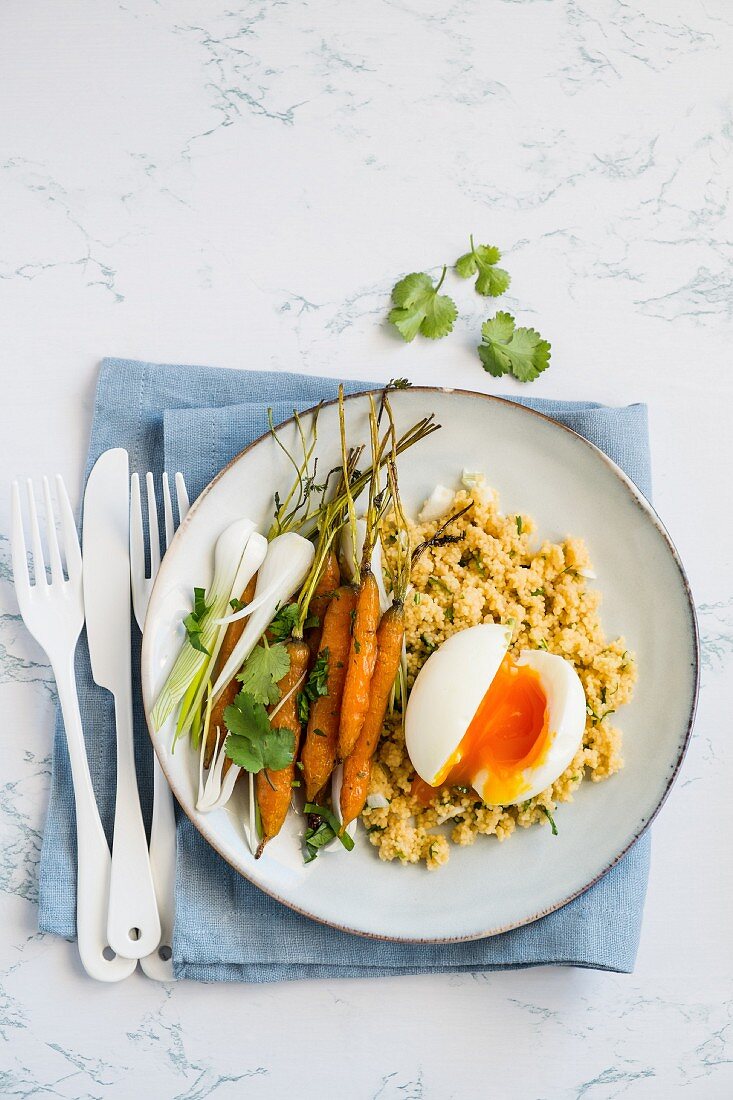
pixel 286 565
pixel 230 548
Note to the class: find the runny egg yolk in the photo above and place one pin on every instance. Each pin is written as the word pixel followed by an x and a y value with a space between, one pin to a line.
pixel 508 734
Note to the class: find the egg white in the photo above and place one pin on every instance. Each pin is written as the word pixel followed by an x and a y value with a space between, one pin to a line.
pixel 447 693
pixel 450 687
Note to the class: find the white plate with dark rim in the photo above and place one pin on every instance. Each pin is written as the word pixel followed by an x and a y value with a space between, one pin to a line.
pixel 570 488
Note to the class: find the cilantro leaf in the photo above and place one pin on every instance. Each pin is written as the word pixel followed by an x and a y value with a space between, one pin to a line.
pixel 481 261
pixel 265 666
pixel 193 623
pixel 317 682
pixel 419 308
pixel 284 621
pixel 509 350
pixel 322 828
pixel 252 743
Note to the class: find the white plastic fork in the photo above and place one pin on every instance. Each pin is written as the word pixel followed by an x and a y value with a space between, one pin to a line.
pixel 159 963
pixel 54 615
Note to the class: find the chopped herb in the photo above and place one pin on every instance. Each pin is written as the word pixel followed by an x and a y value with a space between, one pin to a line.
pixel 193 622
pixel 463 790
pixel 265 666
pixel 542 644
pixel 284 622
pixel 538 592
pixel 236 605
pixel 438 583
pixel 375 828
pixel 320 733
pixel 398 384
pixel 448 614
pixel 550 818
pixel 352 616
pixel 252 743
pixel 417 597
pixel 474 558
pixel 518 521
pixel 295 783
pixel 429 645
pixel 303 707
pixel 317 682
pixel 322 830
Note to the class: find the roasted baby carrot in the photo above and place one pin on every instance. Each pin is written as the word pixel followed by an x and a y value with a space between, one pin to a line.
pixel 275 788
pixel 362 657
pixel 226 698
pixel 328 582
pixel 358 765
pixel 321 742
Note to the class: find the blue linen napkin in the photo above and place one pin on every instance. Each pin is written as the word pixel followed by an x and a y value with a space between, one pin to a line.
pixel 195 419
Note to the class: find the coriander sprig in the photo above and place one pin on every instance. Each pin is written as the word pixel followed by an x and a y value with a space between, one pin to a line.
pixel 505 348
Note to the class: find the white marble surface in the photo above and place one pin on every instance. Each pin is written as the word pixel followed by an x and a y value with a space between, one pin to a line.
pixel 240 185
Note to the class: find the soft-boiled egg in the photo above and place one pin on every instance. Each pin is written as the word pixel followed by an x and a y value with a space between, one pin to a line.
pixel 477 716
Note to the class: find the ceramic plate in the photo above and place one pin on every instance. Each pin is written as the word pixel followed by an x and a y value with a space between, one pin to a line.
pixel 569 488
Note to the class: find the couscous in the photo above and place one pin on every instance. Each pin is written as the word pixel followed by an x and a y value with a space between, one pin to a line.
pixel 497 572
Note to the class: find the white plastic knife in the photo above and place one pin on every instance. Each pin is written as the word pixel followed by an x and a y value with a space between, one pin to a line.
pixel 133 924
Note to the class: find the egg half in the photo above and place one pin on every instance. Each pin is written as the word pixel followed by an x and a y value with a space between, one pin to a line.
pixel 479 717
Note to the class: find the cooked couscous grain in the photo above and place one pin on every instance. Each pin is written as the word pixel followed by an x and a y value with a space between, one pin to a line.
pixel 498 573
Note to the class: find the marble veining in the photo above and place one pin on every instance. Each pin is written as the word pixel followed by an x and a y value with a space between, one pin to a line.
pixel 241 185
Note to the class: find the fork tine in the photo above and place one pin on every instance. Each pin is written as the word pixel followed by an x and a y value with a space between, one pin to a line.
pixel 20 554
pixel 39 564
pixel 137 538
pixel 167 511
pixel 153 531
pixel 182 498
pixel 72 550
pixel 52 538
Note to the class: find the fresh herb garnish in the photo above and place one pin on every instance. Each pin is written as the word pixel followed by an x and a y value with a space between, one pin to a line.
pixel 193 622
pixel 252 743
pixel 303 707
pixel 428 643
pixel 538 592
pixel 317 682
pixel 481 261
pixel 438 583
pixel 285 620
pixel 265 666
pixel 507 349
pixel 550 818
pixel 419 308
pixel 236 605
pixel 322 831
pixel 520 523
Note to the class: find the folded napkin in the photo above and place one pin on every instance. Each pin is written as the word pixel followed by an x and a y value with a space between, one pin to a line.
pixel 195 419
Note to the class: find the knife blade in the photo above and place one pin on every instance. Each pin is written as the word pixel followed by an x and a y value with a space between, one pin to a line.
pixel 133 924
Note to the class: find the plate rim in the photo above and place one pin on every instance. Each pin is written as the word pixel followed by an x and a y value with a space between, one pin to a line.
pixel 641 502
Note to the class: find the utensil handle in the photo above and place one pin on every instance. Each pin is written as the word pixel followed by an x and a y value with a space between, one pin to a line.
pixel 159 963
pixel 93 857
pixel 133 924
